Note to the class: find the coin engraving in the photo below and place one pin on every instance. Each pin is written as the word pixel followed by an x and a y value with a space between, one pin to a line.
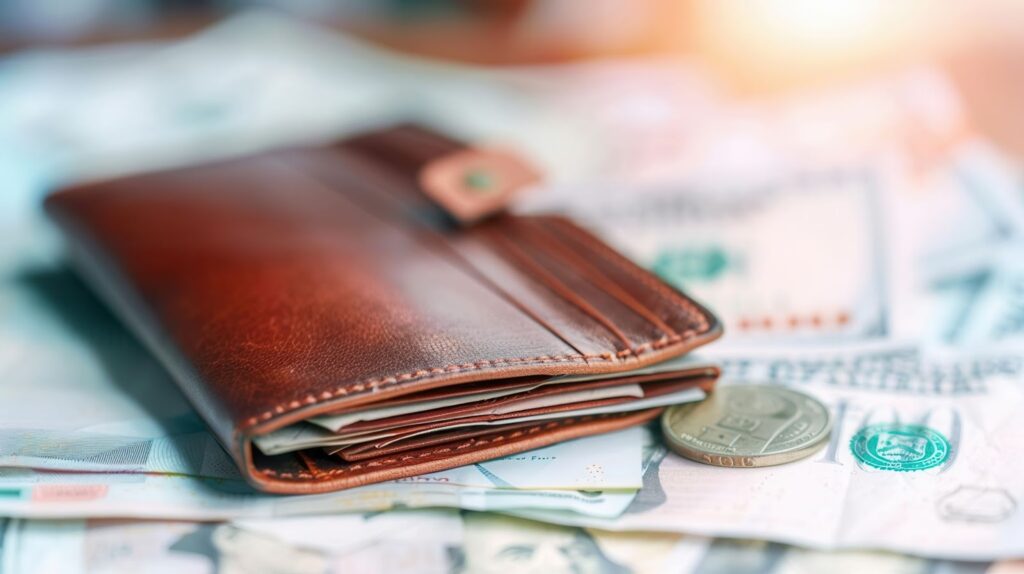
pixel 748 426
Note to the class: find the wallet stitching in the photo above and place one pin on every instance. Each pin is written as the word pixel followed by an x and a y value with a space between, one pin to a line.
pixel 422 374
pixel 403 459
pixel 370 384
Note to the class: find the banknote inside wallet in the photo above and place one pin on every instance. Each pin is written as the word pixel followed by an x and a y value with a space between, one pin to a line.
pixel 336 323
pixel 468 417
pixel 391 424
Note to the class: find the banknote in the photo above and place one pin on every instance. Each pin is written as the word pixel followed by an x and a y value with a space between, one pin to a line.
pixel 618 391
pixel 422 541
pixel 596 475
pixel 922 459
pixel 501 544
pixel 991 308
pixel 433 541
pixel 496 544
pixel 611 461
pixel 984 175
pixel 937 277
pixel 42 494
pixel 305 435
pixel 998 313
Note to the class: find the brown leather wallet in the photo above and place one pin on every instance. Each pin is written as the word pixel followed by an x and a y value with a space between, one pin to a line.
pixel 379 273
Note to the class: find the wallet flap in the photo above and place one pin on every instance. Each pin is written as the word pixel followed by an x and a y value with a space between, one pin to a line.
pixel 303 282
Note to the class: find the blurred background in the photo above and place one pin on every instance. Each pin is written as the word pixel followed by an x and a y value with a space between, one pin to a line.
pixel 613 100
pixel 755 47
pixel 818 172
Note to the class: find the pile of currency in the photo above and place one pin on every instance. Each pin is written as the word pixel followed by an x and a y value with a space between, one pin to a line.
pixel 862 245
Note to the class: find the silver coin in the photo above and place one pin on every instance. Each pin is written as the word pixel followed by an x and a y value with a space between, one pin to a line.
pixel 748 426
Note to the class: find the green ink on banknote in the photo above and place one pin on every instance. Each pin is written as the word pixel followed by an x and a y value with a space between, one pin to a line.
pixel 899 447
pixel 682 265
pixel 10 493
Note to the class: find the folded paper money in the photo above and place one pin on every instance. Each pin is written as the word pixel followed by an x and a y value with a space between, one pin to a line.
pixel 365 311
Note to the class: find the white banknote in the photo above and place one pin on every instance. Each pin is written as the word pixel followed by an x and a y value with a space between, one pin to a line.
pixel 421 541
pixel 990 304
pixel 27 493
pixel 936 277
pixel 925 458
pixel 605 485
pixel 502 544
pixel 432 541
pixel 998 312
pixel 304 435
pixel 618 391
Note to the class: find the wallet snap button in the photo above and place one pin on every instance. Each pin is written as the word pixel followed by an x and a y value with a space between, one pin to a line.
pixel 473 183
pixel 480 181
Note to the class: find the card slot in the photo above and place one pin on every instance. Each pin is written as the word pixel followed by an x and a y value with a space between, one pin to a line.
pixel 632 330
pixel 570 322
pixel 551 281
pixel 546 241
pixel 686 317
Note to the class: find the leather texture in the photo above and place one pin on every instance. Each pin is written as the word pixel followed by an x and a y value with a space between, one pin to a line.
pixel 310 281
